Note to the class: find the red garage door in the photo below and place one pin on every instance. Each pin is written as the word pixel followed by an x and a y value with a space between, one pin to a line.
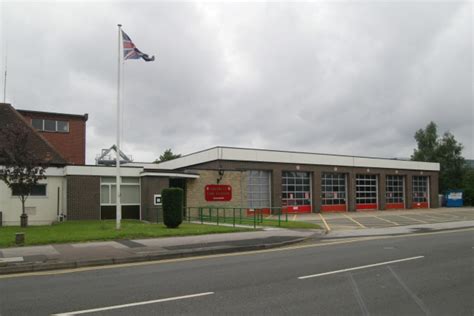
pixel 394 192
pixel 366 192
pixel 296 192
pixel 333 187
pixel 420 192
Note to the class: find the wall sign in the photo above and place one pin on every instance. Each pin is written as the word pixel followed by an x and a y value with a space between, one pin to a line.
pixel 218 192
pixel 157 199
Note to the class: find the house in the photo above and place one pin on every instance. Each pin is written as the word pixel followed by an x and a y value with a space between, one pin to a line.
pixel 65 132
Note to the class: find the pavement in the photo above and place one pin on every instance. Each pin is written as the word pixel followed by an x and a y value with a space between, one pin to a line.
pixel 76 255
pixel 338 225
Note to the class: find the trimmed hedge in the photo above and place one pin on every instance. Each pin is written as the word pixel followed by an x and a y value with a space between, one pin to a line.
pixel 172 199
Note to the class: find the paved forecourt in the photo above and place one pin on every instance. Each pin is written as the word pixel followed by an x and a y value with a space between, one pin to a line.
pixel 392 218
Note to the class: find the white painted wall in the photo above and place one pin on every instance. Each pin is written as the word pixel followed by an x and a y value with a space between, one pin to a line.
pixel 45 206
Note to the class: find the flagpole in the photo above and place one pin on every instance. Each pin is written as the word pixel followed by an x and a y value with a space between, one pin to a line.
pixel 117 155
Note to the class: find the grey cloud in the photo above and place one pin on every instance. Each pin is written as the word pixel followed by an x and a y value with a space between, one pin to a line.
pixel 326 77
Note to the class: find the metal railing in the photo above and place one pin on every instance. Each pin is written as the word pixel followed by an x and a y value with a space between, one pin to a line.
pixel 236 216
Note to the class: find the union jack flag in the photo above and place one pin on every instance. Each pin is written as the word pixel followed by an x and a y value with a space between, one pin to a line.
pixel 130 51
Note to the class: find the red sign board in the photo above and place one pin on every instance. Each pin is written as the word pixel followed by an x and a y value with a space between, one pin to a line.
pixel 218 192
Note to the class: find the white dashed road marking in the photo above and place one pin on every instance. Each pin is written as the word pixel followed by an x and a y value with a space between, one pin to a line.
pixel 359 268
pixel 133 304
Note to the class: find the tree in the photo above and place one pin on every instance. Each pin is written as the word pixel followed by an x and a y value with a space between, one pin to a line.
pixel 22 169
pixel 468 186
pixel 445 150
pixel 168 155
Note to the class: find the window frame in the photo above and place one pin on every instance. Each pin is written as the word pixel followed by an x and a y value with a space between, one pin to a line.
pixel 43 125
pixel 45 185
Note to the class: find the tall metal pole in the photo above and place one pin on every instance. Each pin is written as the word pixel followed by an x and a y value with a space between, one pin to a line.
pixel 117 156
pixel 5 78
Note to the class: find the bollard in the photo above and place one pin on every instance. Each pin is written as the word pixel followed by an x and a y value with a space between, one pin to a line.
pixel 20 239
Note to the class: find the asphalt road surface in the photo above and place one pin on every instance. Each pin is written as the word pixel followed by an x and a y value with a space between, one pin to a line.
pixel 430 274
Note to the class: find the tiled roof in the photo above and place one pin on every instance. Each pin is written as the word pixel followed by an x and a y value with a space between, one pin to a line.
pixel 36 143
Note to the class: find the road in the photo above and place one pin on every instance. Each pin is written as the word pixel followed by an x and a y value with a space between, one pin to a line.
pixel 423 274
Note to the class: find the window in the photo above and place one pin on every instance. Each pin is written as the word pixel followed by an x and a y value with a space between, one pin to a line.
pixel 129 200
pixel 130 191
pixel 258 190
pixel 62 126
pixel 420 189
pixel 36 190
pixel 296 188
pixel 38 124
pixel 366 189
pixel 50 125
pixel 333 187
pixel 395 188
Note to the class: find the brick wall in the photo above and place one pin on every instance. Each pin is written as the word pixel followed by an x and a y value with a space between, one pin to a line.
pixel 83 197
pixel 151 186
pixel 236 179
pixel 234 170
pixel 71 145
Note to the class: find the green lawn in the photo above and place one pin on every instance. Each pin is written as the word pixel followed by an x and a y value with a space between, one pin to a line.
pixel 80 231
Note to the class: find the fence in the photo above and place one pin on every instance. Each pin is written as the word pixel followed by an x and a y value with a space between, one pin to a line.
pixel 237 216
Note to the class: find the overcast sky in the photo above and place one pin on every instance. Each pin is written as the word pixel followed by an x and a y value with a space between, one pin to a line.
pixel 355 78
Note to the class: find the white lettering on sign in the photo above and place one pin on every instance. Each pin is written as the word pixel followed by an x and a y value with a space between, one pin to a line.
pixel 455 196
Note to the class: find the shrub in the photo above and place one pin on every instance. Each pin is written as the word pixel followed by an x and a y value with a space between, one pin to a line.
pixel 172 200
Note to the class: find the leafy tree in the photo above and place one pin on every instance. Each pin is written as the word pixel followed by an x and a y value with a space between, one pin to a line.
pixel 22 169
pixel 445 150
pixel 468 186
pixel 168 155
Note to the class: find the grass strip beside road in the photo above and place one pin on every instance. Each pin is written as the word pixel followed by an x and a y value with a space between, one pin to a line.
pixel 81 231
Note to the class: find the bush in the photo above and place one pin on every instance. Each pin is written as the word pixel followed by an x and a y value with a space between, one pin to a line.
pixel 172 200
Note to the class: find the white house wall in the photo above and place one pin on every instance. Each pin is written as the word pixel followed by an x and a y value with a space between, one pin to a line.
pixel 45 207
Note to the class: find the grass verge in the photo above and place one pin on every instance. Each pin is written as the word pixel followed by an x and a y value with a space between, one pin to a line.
pixel 81 231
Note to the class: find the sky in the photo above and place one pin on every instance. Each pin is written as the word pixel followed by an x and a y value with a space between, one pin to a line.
pixel 352 78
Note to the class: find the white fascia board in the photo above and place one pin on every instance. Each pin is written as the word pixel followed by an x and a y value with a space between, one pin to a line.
pixel 168 175
pixel 273 156
pixel 395 164
pixel 191 159
pixel 102 171
pixel 320 159
pixel 54 172
pixel 51 171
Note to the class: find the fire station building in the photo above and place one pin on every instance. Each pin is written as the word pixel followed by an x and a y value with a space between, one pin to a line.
pixel 303 182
